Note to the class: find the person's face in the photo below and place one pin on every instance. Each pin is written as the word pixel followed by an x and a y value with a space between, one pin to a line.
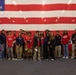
pixel 51 34
pixel 75 31
pixel 14 32
pixel 19 34
pixel 9 33
pixel 3 31
pixel 57 33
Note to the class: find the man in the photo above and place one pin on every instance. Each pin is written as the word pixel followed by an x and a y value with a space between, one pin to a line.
pixel 3 44
pixel 57 45
pixel 10 41
pixel 73 44
pixel 37 45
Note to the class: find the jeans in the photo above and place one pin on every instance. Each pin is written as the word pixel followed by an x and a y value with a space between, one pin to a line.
pixel 65 47
pixel 10 52
pixel 2 51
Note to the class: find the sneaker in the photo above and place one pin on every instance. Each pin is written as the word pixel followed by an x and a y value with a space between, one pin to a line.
pixel 34 60
pixel 47 59
pixel 13 59
pixel 52 59
pixel 72 57
pixel 63 56
pixel 39 59
pixel 9 58
pixel 66 57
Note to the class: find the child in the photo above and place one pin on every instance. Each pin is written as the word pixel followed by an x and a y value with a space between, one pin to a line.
pixel 19 46
pixel 9 42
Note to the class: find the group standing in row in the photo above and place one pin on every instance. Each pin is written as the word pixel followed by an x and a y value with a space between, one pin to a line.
pixel 41 46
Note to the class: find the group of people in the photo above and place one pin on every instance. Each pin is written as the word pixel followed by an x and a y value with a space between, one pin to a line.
pixel 41 46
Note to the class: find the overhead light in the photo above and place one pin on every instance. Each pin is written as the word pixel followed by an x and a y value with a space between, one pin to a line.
pixel 42 11
pixel 63 11
pixel 45 20
pixel 14 2
pixel 24 17
pixel 56 20
pixel 26 20
pixel 13 21
pixel 70 2
pixel 73 20
pixel 9 18
pixel 43 3
pixel 58 17
pixel 20 11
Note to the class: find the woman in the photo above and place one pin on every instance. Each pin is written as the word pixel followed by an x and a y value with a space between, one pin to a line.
pixel 65 42
pixel 51 44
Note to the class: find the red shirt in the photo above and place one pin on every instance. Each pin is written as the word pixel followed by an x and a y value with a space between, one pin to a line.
pixel 30 42
pixel 42 40
pixel 9 40
pixel 65 39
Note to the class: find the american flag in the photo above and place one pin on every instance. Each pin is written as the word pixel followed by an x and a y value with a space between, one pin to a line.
pixel 38 14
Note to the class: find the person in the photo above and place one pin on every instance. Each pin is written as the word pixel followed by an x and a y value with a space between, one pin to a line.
pixel 25 44
pixel 3 44
pixel 14 45
pixel 30 46
pixel 19 46
pixel 37 45
pixel 42 43
pixel 9 45
pixel 45 45
pixel 65 42
pixel 57 45
pixel 51 44
pixel 73 38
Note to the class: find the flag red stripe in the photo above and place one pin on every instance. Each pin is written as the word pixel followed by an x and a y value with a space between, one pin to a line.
pixel 53 20
pixel 40 7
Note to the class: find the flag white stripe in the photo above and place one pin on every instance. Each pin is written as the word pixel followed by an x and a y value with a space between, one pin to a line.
pixel 27 14
pixel 35 27
pixel 38 1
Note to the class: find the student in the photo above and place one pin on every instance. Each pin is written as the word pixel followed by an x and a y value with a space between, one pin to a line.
pixel 26 42
pixel 14 45
pixel 73 44
pixel 3 44
pixel 57 45
pixel 9 43
pixel 37 45
pixel 42 43
pixel 45 45
pixel 19 46
pixel 65 42
pixel 30 45
pixel 51 44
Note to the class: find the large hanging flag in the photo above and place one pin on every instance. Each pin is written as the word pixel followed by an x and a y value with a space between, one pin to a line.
pixel 38 14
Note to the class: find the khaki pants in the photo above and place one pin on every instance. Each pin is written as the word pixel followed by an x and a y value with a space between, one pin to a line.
pixel 58 51
pixel 19 51
pixel 73 50
pixel 36 52
pixel 29 52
